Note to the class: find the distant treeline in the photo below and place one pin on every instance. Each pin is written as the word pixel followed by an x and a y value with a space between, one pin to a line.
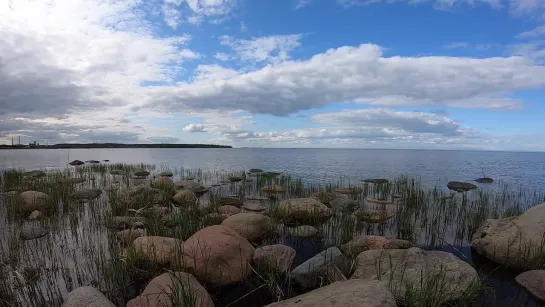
pixel 111 145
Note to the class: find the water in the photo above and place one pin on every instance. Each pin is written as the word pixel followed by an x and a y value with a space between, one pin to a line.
pixel 434 167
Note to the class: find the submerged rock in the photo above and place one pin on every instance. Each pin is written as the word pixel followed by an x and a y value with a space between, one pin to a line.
pixel 376 181
pixel 35 216
pixel 255 170
pixel 88 194
pixel 340 205
pixel 93 161
pixel 350 293
pixel 303 209
pixel 229 201
pixel 252 226
pixel 304 231
pixel 185 198
pixel 141 173
pixel 34 174
pixel 461 186
pixel 254 207
pixel 87 297
pixel 373 216
pixel 196 187
pixel 515 241
pixel 30 232
pixel 484 180
pixel 364 243
pixel 449 276
pixel 32 200
pixel 534 282
pixel 325 198
pixel 235 179
pixel 218 255
pixel 277 257
pixel 308 274
pixel 76 163
pixel 170 289
pixel 161 250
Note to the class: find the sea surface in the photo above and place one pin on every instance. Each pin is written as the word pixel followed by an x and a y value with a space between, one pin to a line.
pixel 434 167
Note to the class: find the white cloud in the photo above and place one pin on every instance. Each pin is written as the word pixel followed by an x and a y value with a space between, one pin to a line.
pixel 533 50
pixel 534 33
pixel 456 45
pixel 243 27
pixel 208 73
pixel 224 57
pixel 298 4
pixel 194 128
pixel 438 3
pixel 271 49
pixel 350 73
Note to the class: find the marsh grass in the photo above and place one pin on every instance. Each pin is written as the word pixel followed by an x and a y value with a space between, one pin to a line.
pixel 82 249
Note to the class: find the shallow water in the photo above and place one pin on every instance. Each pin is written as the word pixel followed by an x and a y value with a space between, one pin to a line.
pixel 434 167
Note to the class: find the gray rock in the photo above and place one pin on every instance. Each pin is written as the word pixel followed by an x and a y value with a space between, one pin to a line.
pixel 309 272
pixel 533 282
pixel 87 297
pixel 350 293
pixel 514 241
pixel 30 232
pixel 449 276
pixel 303 209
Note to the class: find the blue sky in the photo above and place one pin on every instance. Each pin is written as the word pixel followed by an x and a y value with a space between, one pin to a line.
pixel 439 74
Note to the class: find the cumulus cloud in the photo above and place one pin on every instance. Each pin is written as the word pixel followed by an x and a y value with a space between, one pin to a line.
pixel 196 11
pixel 194 128
pixel 271 49
pixel 534 33
pixel 363 74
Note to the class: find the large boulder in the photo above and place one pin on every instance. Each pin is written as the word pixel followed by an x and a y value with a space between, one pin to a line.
pixel 514 241
pixel 350 293
pixel 303 209
pixel 86 297
pixel 277 257
pixel 161 250
pixel 417 269
pixel 173 289
pixel 218 255
pixel 308 274
pixel 185 198
pixel 364 243
pixel 32 200
pixel 252 226
pixel 534 282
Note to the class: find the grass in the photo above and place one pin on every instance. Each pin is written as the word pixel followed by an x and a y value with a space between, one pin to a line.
pixel 82 249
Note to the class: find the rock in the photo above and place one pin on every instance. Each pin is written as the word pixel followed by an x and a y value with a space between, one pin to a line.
pixel 461 186
pixel 372 217
pixel 161 250
pixel 138 177
pixel 88 194
pixel 34 174
pixel 257 198
pixel 141 173
pixel 254 207
pixel 93 161
pixel 350 293
pixel 32 200
pixel 141 189
pixel 304 231
pixel 159 292
pixel 106 160
pixel 86 297
pixel 333 274
pixel 380 202
pixel 364 243
pixel 161 183
pixel 515 241
pixel 128 236
pixel 255 170
pixel 166 174
pixel 229 201
pixel 76 163
pixel 325 197
pixel 413 267
pixel 533 282
pixel 277 257
pixel 185 198
pixel 159 211
pixel 308 274
pixel 124 222
pixel 30 232
pixel 376 181
pixel 484 180
pixel 235 179
pixel 116 172
pixel 273 189
pixel 214 218
pixel 252 226
pixel 340 205
pixel 228 210
pixel 35 216
pixel 350 191
pixel 303 209
pixel 219 255
pixel 196 187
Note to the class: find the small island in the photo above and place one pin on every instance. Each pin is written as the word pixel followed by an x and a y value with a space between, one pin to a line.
pixel 109 145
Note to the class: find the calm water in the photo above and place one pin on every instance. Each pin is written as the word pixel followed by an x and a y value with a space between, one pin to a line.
pixel 318 165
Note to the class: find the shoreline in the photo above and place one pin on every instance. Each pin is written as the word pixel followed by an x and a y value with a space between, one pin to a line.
pixel 111 145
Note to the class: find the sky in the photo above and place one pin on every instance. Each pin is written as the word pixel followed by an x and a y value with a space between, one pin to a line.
pixel 426 74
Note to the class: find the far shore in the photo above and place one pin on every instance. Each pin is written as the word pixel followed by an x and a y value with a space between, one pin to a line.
pixel 111 145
